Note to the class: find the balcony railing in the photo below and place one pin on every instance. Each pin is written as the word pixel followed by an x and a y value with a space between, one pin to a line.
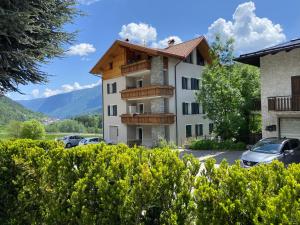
pixel 136 67
pixel 146 92
pixel 284 103
pixel 148 119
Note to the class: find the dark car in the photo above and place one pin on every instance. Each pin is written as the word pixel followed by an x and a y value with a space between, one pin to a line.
pixel 286 150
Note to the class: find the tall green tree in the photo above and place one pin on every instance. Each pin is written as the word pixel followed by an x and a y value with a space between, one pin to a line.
pixel 31 32
pixel 228 91
pixel 32 129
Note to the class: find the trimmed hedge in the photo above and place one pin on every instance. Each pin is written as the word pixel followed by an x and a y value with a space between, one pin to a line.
pixel 215 145
pixel 42 183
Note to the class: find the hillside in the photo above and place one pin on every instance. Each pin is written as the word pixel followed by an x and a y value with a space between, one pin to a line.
pixel 11 110
pixel 69 104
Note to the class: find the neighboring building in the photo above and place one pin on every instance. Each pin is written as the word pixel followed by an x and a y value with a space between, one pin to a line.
pixel 280 88
pixel 149 93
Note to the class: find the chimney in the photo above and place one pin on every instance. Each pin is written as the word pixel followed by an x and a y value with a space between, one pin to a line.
pixel 171 42
pixel 127 40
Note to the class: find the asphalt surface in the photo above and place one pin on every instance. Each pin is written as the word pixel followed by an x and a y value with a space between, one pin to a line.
pixel 203 155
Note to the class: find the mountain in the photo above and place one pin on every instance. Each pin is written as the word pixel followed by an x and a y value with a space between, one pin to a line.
pixel 11 110
pixel 69 104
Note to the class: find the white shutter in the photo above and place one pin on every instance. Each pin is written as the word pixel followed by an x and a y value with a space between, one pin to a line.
pixel 290 127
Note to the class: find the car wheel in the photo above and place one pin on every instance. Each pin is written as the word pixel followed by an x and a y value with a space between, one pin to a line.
pixel 68 145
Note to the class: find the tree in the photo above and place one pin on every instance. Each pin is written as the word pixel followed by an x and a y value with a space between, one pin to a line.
pixel 31 33
pixel 32 129
pixel 228 91
pixel 14 128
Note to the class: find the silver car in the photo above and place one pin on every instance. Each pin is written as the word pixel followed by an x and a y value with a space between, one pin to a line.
pixel 266 150
pixel 71 141
pixel 86 141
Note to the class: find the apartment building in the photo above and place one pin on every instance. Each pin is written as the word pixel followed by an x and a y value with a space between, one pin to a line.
pixel 149 93
pixel 280 88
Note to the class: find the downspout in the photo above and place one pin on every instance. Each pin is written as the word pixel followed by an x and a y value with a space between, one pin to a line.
pixel 176 117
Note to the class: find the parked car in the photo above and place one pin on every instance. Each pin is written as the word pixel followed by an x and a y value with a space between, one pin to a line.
pixel 92 140
pixel 286 150
pixel 71 141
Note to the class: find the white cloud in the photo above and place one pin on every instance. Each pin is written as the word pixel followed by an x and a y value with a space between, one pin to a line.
pixel 249 31
pixel 141 33
pixel 68 88
pixel 82 49
pixel 164 43
pixel 87 2
pixel 35 93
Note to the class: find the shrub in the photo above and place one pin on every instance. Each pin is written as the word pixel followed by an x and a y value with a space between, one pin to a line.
pixel 14 128
pixel 32 129
pixel 42 183
pixel 215 145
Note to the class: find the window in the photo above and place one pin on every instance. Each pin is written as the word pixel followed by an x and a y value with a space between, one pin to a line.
pixel 199 130
pixel 195 108
pixel 185 108
pixel 194 84
pixel 188 131
pixel 111 65
pixel 112 110
pixel 211 128
pixel 108 88
pixel 184 83
pixel 200 59
pixel 115 111
pixel 114 87
pixel 189 59
pixel 141 108
pixel 294 143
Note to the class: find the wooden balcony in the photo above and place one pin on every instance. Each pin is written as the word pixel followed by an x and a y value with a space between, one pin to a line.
pixel 284 103
pixel 139 66
pixel 148 119
pixel 147 92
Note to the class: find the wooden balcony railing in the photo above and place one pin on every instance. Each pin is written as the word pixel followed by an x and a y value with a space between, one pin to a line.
pixel 135 67
pixel 284 103
pixel 148 119
pixel 146 92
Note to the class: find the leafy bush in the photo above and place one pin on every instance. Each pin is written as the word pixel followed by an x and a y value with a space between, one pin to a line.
pixel 32 129
pixel 66 126
pixel 42 183
pixel 215 145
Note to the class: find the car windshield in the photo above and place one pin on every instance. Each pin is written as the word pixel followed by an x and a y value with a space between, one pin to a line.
pixel 267 146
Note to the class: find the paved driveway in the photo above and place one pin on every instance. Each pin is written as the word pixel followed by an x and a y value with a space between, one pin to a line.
pixel 203 155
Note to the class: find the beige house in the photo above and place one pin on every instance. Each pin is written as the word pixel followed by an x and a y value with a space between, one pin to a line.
pixel 149 94
pixel 280 88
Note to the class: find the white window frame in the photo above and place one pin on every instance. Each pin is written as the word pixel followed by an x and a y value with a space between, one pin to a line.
pixel 191 130
pixel 202 130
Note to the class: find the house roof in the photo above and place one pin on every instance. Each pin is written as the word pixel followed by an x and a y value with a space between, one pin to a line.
pixel 180 51
pixel 254 57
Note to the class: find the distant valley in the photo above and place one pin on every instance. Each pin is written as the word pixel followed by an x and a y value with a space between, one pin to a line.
pixel 80 102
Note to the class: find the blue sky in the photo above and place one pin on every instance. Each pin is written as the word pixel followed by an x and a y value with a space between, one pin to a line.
pixel 254 25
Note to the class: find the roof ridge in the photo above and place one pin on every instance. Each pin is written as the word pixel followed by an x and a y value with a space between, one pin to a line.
pixel 184 42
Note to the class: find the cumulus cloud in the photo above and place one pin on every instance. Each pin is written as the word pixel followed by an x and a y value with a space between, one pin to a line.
pixel 82 49
pixel 141 33
pixel 164 43
pixel 249 31
pixel 87 2
pixel 68 88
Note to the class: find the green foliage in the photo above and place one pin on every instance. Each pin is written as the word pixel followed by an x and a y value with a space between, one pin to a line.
pixel 31 33
pixel 65 126
pixel 32 129
pixel 14 129
pixel 163 143
pixel 11 110
pixel 228 91
pixel 215 145
pixel 42 183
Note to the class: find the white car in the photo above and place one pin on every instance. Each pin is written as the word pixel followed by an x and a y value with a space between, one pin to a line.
pixel 92 140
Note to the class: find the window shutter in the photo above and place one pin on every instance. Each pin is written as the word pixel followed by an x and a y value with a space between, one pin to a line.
pixel 114 87
pixel 108 89
pixel 108 110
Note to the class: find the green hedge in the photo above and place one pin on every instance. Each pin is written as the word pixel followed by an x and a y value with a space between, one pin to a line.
pixel 42 183
pixel 215 145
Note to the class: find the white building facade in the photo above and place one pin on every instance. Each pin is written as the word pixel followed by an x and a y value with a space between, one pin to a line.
pixel 151 95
